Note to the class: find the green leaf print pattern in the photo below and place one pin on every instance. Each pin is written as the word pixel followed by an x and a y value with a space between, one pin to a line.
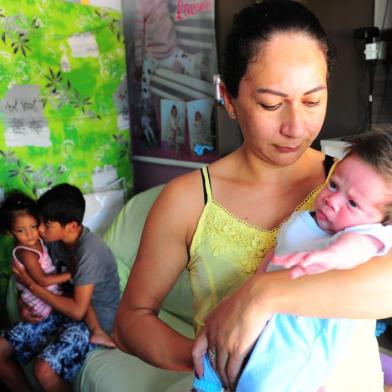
pixel 63 101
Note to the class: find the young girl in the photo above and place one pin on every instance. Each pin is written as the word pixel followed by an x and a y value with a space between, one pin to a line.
pixel 202 137
pixel 19 217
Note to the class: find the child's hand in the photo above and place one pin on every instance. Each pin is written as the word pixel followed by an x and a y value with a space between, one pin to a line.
pixel 305 263
pixel 18 264
pixel 27 313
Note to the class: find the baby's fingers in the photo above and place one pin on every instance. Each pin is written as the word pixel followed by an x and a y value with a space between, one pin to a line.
pixel 289 260
pixel 316 268
pixel 296 272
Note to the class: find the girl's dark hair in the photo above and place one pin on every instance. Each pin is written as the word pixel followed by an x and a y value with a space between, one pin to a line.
pixel 253 26
pixel 375 149
pixel 15 204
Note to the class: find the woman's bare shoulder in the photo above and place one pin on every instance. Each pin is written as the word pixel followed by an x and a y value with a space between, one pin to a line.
pixel 183 193
pixel 314 161
pixel 188 185
pixel 179 206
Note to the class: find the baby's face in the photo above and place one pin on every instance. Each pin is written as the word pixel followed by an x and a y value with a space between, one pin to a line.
pixel 356 194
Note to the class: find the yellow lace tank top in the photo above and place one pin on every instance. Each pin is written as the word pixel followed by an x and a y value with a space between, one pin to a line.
pixel 225 251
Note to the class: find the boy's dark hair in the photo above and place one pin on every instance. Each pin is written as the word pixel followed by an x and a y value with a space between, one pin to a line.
pixel 15 204
pixel 375 149
pixel 254 26
pixel 64 203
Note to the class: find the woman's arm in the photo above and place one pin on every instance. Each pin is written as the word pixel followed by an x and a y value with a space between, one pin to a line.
pixel 161 258
pixel 361 292
pixel 233 327
pixel 30 261
pixel 360 246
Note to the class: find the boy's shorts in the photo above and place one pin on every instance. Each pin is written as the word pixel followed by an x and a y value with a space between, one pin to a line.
pixel 61 342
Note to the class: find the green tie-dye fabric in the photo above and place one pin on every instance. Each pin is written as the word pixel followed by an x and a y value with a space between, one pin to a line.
pixel 63 100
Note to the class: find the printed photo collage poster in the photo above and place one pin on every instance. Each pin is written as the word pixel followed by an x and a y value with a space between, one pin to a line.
pixel 171 51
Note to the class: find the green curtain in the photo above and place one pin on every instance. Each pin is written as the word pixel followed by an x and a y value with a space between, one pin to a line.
pixel 63 101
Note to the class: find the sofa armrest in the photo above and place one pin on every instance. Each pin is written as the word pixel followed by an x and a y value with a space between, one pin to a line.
pixel 123 238
pixel 12 301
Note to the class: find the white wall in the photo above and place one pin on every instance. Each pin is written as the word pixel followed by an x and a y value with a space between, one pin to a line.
pixel 115 4
pixel 380 17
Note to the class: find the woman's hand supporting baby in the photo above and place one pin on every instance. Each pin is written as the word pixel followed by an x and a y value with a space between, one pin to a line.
pixel 230 332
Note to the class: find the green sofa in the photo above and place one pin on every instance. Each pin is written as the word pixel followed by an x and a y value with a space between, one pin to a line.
pixel 112 370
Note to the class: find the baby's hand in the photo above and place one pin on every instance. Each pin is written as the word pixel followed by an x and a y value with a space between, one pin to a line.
pixel 304 263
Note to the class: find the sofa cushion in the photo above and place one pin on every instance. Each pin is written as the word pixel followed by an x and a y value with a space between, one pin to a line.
pixel 124 234
pixel 123 238
pixel 112 370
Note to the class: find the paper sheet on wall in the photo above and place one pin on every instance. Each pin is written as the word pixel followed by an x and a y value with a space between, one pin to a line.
pixel 83 45
pixel 24 119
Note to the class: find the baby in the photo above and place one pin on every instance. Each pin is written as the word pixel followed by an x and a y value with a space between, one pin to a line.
pixel 349 225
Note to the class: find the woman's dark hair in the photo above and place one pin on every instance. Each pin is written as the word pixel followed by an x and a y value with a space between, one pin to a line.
pixel 15 204
pixel 253 26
